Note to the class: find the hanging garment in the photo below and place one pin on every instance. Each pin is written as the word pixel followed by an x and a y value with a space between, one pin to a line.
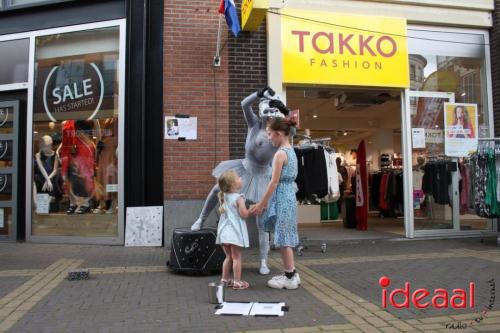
pixel 383 204
pixel 497 164
pixel 464 189
pixel 375 189
pixel 437 180
pixel 361 188
pixel 491 186
pixel 480 184
pixel 333 177
pixel 312 176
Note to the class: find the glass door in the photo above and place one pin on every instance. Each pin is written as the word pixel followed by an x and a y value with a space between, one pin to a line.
pixel 435 177
pixel 9 134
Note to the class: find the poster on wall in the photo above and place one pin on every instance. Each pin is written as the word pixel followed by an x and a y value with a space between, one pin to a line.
pixel 177 128
pixel 460 123
pixel 144 226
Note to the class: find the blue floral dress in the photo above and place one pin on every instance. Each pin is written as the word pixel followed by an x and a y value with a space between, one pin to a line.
pixel 281 214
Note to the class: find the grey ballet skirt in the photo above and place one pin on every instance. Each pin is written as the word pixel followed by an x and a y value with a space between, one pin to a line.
pixel 255 177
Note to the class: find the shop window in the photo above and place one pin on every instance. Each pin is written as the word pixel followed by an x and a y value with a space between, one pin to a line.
pixel 453 71
pixel 75 134
pixel 14 56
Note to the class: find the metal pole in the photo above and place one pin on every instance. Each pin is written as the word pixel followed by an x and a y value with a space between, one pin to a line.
pixel 217 56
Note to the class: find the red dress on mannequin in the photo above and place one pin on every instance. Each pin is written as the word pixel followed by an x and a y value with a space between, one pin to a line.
pixel 77 160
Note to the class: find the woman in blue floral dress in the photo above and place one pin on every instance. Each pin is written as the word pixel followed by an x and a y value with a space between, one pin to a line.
pixel 282 210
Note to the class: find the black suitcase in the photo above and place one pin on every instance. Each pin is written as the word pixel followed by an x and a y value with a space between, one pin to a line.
pixel 195 252
pixel 349 211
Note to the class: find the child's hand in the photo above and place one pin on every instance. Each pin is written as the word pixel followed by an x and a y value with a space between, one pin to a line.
pixel 257 209
pixel 251 210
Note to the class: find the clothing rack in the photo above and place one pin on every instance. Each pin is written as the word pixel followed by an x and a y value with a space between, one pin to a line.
pixel 325 141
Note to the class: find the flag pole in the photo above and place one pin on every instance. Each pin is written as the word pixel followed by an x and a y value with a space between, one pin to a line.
pixel 217 55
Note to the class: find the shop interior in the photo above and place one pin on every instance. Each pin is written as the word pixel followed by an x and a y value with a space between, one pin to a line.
pixel 338 119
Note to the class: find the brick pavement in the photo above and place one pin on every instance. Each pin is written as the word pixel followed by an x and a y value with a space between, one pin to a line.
pixel 131 290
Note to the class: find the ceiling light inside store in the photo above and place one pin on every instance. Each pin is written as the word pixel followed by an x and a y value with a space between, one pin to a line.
pixel 463 94
pixel 315 116
pixel 345 133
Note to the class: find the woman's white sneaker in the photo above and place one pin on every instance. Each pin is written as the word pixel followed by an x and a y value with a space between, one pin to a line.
pixel 282 282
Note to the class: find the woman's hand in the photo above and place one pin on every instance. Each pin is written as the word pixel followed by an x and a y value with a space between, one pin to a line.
pixel 258 208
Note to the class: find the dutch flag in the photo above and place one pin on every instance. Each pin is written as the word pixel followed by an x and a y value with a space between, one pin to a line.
pixel 228 8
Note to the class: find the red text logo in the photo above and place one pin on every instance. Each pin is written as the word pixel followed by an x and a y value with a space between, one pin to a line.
pixel 423 298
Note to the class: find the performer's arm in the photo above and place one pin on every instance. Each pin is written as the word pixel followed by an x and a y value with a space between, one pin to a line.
pixel 246 104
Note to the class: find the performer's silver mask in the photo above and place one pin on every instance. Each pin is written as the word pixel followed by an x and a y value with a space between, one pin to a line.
pixel 266 111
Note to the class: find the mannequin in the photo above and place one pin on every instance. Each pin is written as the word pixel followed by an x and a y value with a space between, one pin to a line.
pixel 77 152
pixel 107 171
pixel 45 173
pixel 255 168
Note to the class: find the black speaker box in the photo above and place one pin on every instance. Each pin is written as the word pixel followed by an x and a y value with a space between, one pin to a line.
pixel 195 252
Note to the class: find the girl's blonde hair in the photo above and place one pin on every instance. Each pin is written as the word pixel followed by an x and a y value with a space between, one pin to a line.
pixel 225 181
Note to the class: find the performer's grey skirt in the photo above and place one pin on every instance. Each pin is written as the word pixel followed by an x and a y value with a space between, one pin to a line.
pixel 255 177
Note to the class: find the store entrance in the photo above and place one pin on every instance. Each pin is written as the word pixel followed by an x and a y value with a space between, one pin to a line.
pixel 340 119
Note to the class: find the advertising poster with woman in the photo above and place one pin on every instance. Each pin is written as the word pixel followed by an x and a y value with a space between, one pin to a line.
pixel 460 123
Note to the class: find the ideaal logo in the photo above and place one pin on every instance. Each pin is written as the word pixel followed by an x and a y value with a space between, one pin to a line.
pixel 480 316
pixel 77 95
pixel 422 298
pixel 440 298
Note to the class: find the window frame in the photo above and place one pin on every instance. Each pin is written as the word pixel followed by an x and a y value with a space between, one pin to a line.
pixel 7 5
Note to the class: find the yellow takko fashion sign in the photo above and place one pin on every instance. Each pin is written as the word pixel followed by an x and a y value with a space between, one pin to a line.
pixel 253 13
pixel 326 48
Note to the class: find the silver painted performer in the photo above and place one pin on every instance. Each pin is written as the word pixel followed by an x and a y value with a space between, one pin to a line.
pixel 255 168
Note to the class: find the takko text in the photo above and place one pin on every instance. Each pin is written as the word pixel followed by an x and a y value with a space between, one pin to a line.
pixel 329 43
pixel 422 298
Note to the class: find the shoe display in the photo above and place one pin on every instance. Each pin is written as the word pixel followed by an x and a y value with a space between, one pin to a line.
pixel 282 282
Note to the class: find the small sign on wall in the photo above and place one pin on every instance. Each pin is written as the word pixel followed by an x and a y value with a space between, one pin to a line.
pixel 144 226
pixel 181 128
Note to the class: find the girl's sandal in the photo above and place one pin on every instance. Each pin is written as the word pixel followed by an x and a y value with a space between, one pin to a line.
pixel 227 283
pixel 240 285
